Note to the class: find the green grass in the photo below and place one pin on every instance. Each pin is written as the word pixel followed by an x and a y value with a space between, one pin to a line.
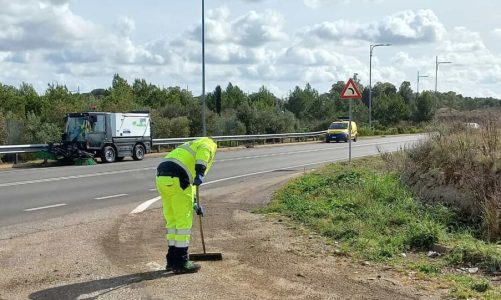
pixel 374 216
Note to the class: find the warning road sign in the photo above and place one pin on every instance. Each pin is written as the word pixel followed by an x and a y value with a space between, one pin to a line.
pixel 350 91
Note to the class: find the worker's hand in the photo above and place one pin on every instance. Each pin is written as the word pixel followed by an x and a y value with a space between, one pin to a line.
pixel 199 209
pixel 198 180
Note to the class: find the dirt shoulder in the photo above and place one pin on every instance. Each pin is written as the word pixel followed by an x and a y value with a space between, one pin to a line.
pixel 264 258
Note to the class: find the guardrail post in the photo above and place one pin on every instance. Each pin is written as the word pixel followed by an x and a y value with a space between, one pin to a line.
pixel 16 159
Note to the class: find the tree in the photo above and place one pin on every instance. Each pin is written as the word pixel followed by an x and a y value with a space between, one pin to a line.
pixel 217 98
pixel 383 88
pixel 57 102
pixel 406 92
pixel 232 97
pixel 263 99
pixel 3 129
pixel 390 109
pixel 120 97
pixel 35 131
pixel 11 101
pixel 300 101
pixel 424 107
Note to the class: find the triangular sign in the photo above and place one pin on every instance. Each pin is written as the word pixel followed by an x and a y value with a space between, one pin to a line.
pixel 350 91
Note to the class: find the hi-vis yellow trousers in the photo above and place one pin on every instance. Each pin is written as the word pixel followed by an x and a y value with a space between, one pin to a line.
pixel 177 209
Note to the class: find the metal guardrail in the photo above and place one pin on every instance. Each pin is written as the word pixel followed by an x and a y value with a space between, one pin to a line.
pixel 177 141
pixel 14 149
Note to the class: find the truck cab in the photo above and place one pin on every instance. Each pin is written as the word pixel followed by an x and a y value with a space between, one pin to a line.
pixel 111 136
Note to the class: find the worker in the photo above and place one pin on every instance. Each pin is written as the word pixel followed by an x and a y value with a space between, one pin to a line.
pixel 177 174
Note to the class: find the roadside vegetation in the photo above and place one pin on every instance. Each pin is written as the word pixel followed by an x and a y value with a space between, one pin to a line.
pixel 432 211
pixel 30 117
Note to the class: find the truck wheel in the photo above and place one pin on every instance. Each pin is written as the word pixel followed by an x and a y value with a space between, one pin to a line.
pixel 355 139
pixel 108 155
pixel 138 152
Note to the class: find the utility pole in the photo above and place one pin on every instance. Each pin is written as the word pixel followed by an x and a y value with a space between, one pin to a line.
pixel 418 77
pixel 370 79
pixel 437 63
pixel 203 70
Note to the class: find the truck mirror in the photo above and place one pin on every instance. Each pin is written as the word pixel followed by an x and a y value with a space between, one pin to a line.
pixel 93 118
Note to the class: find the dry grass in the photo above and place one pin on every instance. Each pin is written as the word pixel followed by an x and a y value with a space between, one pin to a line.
pixel 459 167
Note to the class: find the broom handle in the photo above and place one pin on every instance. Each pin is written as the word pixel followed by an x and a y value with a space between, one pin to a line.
pixel 200 219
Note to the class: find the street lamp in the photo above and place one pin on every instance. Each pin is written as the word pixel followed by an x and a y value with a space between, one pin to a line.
pixel 370 79
pixel 437 63
pixel 418 77
pixel 203 69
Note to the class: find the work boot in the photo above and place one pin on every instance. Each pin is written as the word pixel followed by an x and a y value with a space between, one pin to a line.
pixel 171 254
pixel 182 264
pixel 189 267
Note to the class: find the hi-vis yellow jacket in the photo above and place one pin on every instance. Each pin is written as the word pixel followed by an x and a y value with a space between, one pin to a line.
pixel 194 156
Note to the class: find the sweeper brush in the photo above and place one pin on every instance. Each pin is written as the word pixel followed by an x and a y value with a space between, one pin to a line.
pixel 204 256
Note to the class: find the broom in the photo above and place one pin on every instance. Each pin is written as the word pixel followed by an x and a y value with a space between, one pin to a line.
pixel 203 256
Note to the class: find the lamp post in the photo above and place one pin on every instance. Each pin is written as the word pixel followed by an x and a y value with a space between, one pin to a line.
pixel 203 69
pixel 370 79
pixel 437 63
pixel 418 77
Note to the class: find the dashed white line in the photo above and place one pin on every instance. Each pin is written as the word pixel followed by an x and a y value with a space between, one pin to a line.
pixel 45 207
pixel 74 177
pixel 111 196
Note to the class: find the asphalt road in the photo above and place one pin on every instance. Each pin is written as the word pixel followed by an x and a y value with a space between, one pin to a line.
pixel 39 194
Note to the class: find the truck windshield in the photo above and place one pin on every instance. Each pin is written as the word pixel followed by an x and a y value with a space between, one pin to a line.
pixel 339 126
pixel 76 127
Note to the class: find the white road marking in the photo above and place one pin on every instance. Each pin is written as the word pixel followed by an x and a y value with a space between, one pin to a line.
pixel 152 190
pixel 74 177
pixel 112 196
pixel 143 206
pixel 45 207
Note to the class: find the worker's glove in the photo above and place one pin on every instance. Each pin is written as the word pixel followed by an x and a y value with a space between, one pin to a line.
pixel 198 180
pixel 199 210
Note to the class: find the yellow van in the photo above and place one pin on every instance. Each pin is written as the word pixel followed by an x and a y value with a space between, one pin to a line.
pixel 338 131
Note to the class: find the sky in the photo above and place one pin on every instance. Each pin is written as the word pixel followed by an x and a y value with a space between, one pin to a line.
pixel 276 43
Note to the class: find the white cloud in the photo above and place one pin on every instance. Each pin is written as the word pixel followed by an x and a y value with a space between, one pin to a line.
pixel 253 29
pixel 32 25
pixel 125 26
pixel 497 32
pixel 406 27
pixel 462 39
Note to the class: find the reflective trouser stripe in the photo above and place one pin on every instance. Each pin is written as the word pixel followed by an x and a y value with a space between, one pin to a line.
pixel 171 236
pixel 180 244
pixel 183 231
pixel 177 208
pixel 183 237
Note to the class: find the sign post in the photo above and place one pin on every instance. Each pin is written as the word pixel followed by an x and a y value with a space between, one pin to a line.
pixel 350 92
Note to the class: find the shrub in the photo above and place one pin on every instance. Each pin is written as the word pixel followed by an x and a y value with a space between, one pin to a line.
pixel 423 235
